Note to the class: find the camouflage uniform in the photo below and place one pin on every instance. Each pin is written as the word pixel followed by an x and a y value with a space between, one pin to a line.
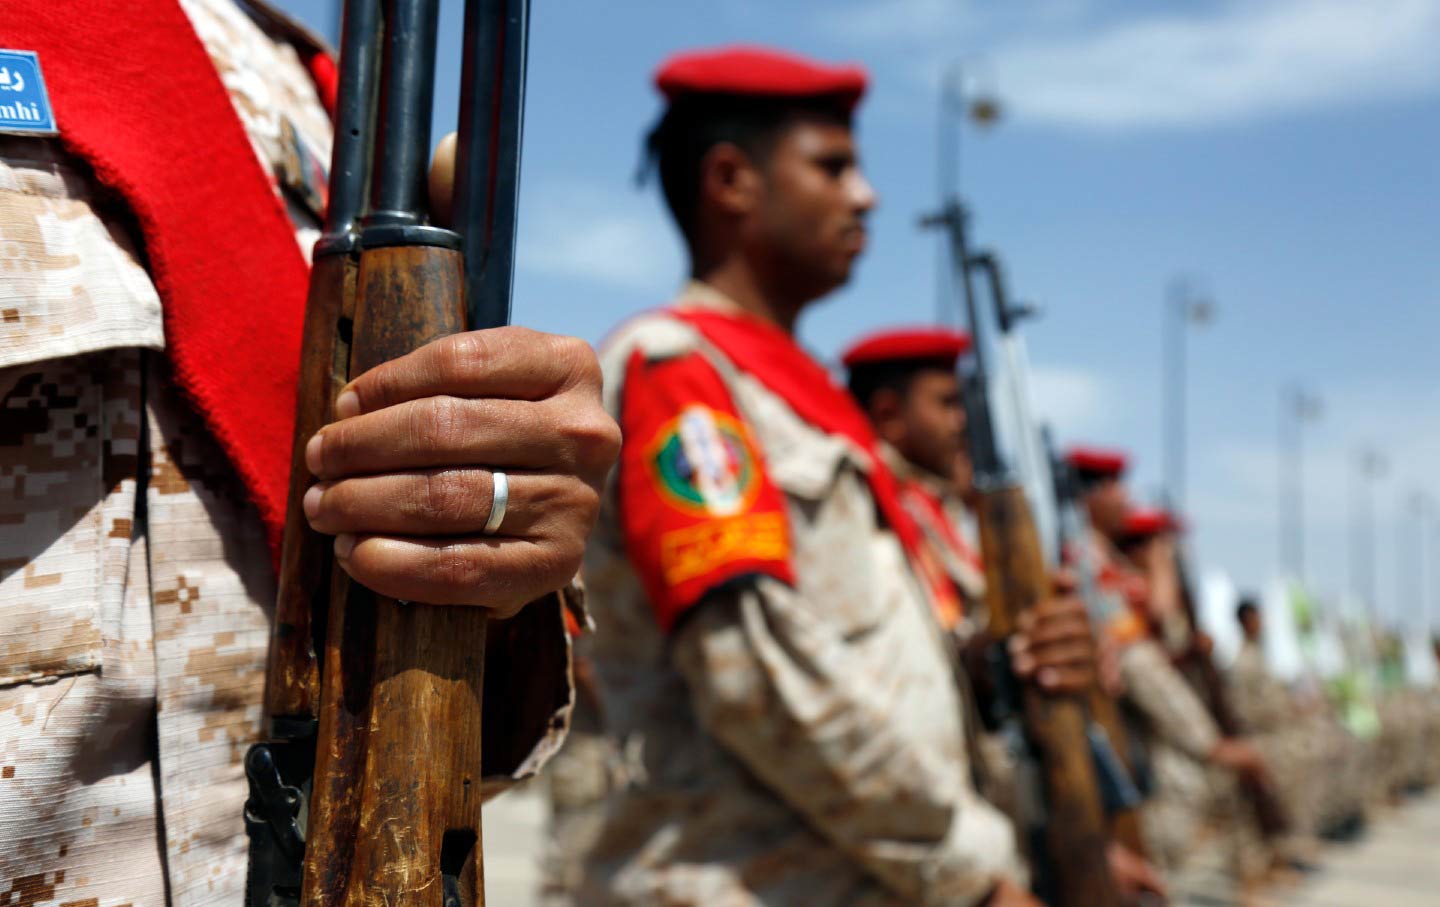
pixel 786 744
pixel 136 584
pixel 1274 721
pixel 952 533
pixel 1177 732
pixel 579 781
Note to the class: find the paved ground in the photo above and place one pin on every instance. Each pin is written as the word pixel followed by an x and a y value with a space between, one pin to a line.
pixel 1397 864
pixel 514 829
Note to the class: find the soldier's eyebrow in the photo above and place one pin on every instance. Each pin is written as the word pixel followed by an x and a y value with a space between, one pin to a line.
pixel 837 160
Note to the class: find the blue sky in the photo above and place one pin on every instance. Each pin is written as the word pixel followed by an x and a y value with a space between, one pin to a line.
pixel 1283 153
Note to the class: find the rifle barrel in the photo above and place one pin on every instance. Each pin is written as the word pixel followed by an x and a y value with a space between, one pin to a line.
pixel 487 181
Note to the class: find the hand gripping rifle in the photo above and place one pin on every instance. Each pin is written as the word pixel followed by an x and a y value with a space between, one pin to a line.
pixel 367 789
pixel 1066 827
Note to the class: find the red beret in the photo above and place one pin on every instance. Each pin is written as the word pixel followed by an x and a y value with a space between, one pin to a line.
pixel 905 344
pixel 1094 461
pixel 1145 522
pixel 758 71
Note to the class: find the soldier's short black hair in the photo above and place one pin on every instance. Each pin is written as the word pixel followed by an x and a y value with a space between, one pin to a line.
pixel 868 379
pixel 1246 608
pixel 694 124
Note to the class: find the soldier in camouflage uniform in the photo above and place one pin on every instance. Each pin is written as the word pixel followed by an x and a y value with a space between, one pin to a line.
pixel 766 651
pixel 1193 767
pixel 136 582
pixel 907 383
pixel 1274 719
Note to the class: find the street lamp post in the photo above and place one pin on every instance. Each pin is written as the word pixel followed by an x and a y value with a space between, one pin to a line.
pixel 1370 467
pixel 1297 406
pixel 1184 306
pixel 1422 508
pixel 981 107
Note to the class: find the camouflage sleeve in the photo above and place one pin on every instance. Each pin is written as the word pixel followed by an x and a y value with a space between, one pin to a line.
pixel 529 689
pixel 1171 705
pixel 779 693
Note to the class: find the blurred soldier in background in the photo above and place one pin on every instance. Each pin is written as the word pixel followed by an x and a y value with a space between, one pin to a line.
pixel 1176 732
pixel 1278 724
pixel 907 383
pixel 154 273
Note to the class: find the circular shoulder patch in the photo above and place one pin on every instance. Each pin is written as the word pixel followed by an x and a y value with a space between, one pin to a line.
pixel 703 464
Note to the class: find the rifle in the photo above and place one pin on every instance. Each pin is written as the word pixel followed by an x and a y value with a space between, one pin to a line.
pixel 1073 528
pixel 1065 824
pixel 1270 813
pixel 368 786
pixel 1045 484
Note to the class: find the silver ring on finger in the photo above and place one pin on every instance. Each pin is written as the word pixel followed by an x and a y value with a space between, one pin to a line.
pixel 498 503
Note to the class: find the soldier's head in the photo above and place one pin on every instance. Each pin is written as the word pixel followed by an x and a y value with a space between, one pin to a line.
pixel 906 382
pixel 1248 614
pixel 1146 534
pixel 757 162
pixel 1101 475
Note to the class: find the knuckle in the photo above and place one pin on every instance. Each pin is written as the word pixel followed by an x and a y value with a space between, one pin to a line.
pixel 458 355
pixel 379 387
pixel 455 572
pixel 594 441
pixel 437 422
pixel 446 498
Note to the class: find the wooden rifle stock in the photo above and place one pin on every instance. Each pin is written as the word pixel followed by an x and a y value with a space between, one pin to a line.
pixel 396 811
pixel 1074 828
pixel 1124 822
pixel 1068 842
pixel 368 788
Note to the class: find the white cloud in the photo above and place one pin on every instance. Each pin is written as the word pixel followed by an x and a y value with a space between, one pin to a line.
pixel 1249 60
pixel 615 238
pixel 902 21
pixel 1071 400
pixel 1076 63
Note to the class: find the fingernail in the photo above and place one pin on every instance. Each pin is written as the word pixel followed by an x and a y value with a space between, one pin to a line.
pixel 311 503
pixel 344 544
pixel 312 452
pixel 1014 645
pixel 347 404
pixel 1048 677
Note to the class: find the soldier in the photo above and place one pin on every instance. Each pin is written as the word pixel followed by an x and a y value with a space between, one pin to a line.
pixel 766 651
pixel 1175 729
pixel 906 382
pixel 1283 730
pixel 147 368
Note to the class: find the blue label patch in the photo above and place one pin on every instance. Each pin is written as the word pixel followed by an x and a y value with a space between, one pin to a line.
pixel 24 104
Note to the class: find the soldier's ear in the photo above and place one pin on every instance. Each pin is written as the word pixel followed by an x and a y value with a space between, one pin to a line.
pixel 887 414
pixel 729 180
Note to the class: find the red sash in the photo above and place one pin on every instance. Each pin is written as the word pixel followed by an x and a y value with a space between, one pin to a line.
pixel 773 358
pixel 136 96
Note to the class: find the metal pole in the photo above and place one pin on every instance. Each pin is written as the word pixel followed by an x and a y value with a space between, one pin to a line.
pixel 949 122
pixel 1370 466
pixel 1284 493
pixel 1174 397
pixel 1298 526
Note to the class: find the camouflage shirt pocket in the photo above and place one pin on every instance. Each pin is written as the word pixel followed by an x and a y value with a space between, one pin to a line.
pixel 69 444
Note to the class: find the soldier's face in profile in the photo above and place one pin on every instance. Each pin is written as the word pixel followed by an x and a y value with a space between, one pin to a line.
pixel 1108 504
pixel 810 223
pixel 934 420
